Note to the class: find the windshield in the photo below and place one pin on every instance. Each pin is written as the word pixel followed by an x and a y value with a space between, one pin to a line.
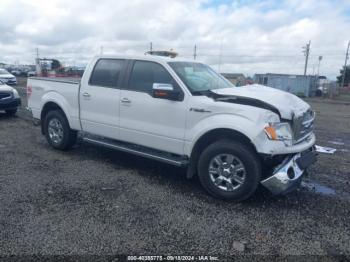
pixel 3 72
pixel 199 77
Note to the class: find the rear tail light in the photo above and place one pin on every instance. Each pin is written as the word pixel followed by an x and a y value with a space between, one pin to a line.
pixel 29 91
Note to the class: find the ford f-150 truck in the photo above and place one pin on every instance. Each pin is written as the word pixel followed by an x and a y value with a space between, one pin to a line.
pixel 185 114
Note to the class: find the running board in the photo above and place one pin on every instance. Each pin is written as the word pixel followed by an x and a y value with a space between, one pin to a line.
pixel 139 151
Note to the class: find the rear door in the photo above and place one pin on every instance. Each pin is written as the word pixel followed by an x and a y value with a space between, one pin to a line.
pixel 148 121
pixel 99 98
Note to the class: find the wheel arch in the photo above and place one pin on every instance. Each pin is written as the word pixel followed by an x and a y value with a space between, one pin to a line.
pixel 50 106
pixel 214 135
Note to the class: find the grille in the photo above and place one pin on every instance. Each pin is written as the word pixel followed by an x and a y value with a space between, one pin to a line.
pixel 4 95
pixel 303 126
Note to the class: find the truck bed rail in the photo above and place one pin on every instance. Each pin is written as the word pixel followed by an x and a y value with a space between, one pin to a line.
pixel 69 80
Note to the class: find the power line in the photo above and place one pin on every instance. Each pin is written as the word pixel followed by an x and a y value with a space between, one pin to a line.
pixel 270 47
pixel 266 55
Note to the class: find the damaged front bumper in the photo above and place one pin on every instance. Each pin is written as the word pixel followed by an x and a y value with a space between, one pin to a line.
pixel 287 176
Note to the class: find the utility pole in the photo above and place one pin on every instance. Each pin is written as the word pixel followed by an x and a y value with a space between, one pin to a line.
pixel 150 47
pixel 195 52
pixel 317 79
pixel 306 51
pixel 37 63
pixel 346 61
pixel 319 63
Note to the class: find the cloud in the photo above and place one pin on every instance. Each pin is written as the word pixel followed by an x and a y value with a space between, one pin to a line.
pixel 243 36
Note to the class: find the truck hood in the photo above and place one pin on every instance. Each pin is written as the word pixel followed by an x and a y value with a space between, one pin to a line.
pixel 286 103
pixel 6 76
pixel 5 88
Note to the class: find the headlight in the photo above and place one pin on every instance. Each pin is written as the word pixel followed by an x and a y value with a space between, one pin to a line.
pixel 279 131
pixel 15 93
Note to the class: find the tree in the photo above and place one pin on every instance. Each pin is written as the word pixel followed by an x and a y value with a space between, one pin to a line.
pixel 347 76
pixel 55 64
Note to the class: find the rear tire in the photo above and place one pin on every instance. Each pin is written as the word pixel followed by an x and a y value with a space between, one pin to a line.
pixel 229 170
pixel 11 112
pixel 57 130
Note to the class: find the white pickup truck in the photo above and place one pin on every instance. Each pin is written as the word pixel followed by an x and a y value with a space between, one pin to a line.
pixel 185 114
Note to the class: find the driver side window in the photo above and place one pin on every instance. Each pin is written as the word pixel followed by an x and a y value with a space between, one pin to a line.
pixel 144 74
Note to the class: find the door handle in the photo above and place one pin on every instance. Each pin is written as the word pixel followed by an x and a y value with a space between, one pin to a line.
pixel 125 100
pixel 86 94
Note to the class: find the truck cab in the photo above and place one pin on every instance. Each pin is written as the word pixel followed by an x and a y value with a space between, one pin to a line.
pixel 183 113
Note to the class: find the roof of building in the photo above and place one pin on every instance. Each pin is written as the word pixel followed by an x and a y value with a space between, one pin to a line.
pixel 286 75
pixel 232 75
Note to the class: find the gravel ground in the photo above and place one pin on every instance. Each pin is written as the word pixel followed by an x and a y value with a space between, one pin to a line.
pixel 94 201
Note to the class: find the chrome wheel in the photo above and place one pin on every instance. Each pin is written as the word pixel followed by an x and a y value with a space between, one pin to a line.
pixel 55 130
pixel 227 172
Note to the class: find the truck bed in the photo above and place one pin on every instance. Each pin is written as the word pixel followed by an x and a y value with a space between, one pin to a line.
pixel 62 91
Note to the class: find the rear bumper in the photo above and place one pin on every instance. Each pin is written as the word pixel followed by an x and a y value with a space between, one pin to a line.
pixel 287 176
pixel 8 104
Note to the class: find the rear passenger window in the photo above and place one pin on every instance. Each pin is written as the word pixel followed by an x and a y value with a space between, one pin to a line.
pixel 106 72
pixel 145 74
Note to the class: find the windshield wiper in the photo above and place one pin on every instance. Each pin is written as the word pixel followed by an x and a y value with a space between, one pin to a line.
pixel 201 92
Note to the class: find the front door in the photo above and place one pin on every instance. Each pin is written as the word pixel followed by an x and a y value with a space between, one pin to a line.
pixel 99 98
pixel 148 121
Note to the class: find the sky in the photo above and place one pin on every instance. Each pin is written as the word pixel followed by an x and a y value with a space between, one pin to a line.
pixel 233 36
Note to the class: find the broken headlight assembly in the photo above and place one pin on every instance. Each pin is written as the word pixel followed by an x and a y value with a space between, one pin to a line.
pixel 280 132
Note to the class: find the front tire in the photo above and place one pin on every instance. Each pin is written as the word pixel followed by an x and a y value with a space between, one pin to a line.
pixel 57 130
pixel 229 170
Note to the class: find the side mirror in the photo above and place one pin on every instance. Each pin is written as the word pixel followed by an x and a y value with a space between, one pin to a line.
pixel 165 91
